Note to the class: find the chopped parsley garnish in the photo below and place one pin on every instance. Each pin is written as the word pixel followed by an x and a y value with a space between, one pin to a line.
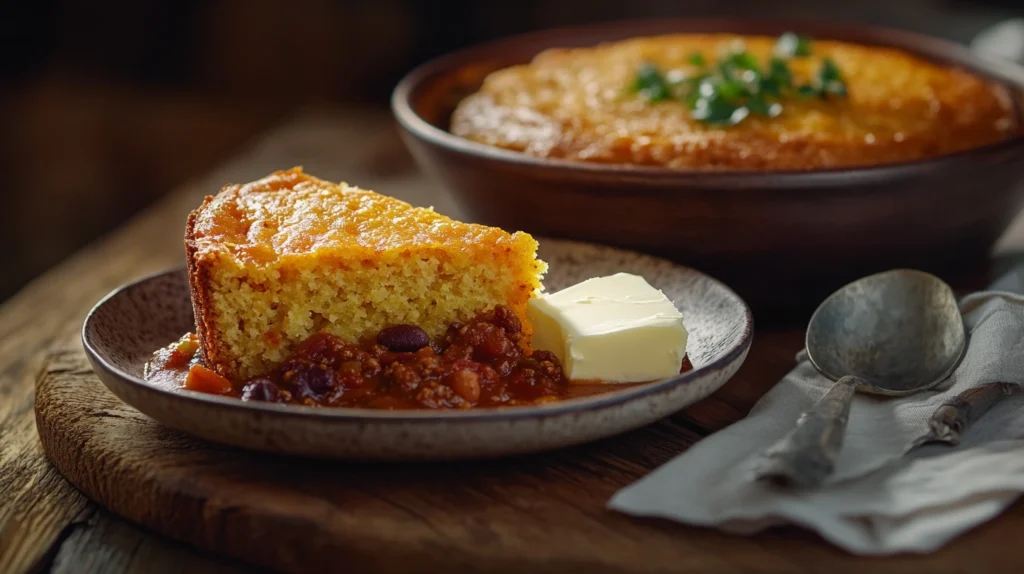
pixel 830 79
pixel 807 91
pixel 738 86
pixel 651 84
pixel 789 45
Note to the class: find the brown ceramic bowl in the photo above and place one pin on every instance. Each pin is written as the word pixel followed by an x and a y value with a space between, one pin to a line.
pixel 781 239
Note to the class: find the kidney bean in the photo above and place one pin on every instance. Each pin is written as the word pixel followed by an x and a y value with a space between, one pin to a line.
pixel 261 389
pixel 310 381
pixel 403 338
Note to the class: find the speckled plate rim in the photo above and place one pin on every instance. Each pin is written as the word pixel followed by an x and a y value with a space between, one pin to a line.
pixel 602 401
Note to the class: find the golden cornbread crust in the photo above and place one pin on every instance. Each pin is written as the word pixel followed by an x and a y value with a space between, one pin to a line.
pixel 575 104
pixel 276 260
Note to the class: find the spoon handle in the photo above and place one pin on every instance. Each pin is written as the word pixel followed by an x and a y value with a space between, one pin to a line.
pixel 956 414
pixel 808 453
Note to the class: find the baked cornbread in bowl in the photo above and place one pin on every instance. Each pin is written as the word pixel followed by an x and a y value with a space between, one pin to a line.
pixel 894 107
pixel 334 321
pixel 604 133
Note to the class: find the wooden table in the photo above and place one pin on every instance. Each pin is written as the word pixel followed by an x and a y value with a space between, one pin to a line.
pixel 45 524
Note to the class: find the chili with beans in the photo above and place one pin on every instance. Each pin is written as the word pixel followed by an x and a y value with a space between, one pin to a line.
pixel 477 364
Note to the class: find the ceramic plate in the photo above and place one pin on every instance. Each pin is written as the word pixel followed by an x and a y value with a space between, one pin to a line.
pixel 124 329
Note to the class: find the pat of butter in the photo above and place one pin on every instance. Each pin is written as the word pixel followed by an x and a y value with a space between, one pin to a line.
pixel 614 329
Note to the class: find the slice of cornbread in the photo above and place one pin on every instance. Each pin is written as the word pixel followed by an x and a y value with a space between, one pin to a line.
pixel 276 260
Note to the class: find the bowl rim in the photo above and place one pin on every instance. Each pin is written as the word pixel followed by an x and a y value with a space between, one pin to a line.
pixel 348 414
pixel 1005 73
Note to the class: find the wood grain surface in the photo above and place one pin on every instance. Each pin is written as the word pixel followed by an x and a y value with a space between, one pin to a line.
pixel 545 511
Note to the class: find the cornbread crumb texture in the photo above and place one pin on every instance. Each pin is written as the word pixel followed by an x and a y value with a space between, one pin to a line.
pixel 276 260
pixel 575 104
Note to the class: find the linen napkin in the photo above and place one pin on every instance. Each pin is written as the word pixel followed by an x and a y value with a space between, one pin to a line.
pixel 886 495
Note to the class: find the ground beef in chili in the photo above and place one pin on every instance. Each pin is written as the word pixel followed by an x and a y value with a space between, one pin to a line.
pixel 478 363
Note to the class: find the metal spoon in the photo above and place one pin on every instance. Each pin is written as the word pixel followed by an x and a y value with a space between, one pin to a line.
pixel 894 333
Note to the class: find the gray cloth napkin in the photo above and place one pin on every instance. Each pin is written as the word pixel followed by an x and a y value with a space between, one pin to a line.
pixel 885 495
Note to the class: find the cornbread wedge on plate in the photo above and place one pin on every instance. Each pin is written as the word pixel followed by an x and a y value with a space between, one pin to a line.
pixel 276 260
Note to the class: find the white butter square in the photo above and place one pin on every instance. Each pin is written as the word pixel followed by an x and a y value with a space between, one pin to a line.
pixel 616 329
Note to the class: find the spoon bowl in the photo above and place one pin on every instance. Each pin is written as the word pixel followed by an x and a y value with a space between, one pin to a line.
pixel 900 330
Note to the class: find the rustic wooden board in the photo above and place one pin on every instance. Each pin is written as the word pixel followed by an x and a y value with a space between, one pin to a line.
pixel 537 513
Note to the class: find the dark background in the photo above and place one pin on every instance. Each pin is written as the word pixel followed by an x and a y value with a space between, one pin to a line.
pixel 105 106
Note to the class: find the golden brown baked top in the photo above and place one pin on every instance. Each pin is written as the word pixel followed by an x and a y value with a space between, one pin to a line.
pixel 575 104
pixel 292 213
